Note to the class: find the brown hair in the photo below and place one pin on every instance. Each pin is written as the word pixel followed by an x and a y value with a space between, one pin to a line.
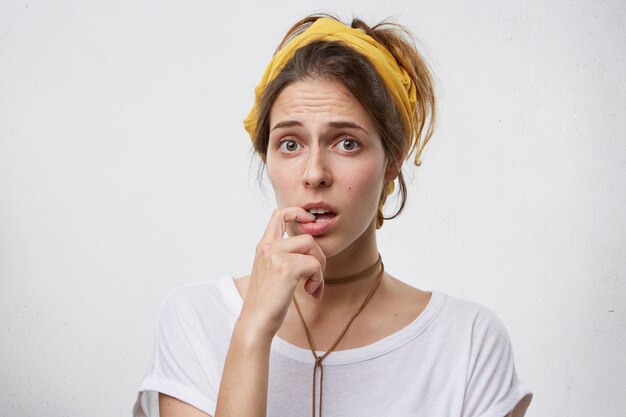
pixel 336 61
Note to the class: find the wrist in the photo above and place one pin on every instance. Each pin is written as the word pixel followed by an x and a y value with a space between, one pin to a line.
pixel 251 336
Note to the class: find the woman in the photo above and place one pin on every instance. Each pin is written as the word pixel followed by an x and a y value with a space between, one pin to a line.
pixel 318 322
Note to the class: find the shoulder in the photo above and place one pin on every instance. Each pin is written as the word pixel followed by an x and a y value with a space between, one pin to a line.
pixel 468 311
pixel 476 344
pixel 204 299
pixel 199 292
pixel 480 325
pixel 491 383
pixel 193 329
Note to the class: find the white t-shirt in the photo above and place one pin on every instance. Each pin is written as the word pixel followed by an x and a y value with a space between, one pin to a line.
pixel 454 360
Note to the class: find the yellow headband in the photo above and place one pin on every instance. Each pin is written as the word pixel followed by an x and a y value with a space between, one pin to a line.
pixel 397 80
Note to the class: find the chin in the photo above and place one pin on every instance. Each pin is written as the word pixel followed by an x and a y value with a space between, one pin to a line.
pixel 335 245
pixel 329 247
pixel 327 243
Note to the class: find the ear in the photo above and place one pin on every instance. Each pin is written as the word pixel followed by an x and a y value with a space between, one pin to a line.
pixel 391 172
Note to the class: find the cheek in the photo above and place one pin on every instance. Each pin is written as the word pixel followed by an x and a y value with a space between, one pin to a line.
pixel 366 186
pixel 281 181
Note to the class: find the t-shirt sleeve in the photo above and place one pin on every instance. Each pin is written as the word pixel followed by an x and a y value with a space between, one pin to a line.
pixel 177 368
pixel 493 388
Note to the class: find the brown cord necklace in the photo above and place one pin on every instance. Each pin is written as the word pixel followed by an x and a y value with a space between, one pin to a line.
pixel 342 280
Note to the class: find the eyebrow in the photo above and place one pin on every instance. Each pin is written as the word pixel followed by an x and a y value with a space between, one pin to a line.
pixel 337 125
pixel 286 123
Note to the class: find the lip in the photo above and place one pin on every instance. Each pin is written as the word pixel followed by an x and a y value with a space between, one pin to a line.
pixel 319 204
pixel 318 228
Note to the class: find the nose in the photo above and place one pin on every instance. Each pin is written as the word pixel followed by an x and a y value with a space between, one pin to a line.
pixel 316 172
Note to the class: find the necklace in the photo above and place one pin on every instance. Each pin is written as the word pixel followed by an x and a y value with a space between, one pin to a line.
pixel 355 277
pixel 319 359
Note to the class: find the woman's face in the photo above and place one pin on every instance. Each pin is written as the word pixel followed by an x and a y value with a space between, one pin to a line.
pixel 325 152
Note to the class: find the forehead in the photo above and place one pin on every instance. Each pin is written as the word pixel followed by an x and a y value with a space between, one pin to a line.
pixel 310 100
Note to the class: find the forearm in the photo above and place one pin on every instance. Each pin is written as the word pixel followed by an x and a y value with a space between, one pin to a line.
pixel 279 265
pixel 243 389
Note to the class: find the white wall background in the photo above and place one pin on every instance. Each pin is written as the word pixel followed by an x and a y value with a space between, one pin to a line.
pixel 125 172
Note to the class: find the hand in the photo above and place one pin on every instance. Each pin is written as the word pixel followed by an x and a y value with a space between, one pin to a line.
pixel 279 265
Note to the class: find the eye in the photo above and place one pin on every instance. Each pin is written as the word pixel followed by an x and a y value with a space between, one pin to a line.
pixel 288 146
pixel 349 144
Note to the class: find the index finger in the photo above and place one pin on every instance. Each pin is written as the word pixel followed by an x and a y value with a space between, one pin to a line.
pixel 277 225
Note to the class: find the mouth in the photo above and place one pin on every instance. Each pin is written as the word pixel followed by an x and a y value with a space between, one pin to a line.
pixel 321 215
pixel 325 218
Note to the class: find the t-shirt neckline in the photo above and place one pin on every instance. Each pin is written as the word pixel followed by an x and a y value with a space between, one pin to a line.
pixel 343 357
